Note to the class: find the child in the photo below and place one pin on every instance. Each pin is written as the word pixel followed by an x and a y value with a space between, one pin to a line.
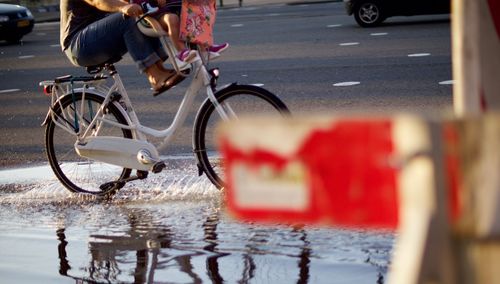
pixel 169 18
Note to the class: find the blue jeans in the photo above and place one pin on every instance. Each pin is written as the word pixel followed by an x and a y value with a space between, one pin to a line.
pixel 110 38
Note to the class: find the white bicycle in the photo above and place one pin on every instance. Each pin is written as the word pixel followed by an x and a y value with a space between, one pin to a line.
pixel 95 141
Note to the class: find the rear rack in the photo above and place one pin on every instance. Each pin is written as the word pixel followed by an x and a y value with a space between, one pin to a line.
pixel 73 79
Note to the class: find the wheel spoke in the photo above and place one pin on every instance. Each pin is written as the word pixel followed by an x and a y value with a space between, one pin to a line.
pixel 78 173
pixel 237 101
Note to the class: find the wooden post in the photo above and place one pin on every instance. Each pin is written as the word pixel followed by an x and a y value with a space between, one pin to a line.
pixel 423 252
pixel 477 231
pixel 476 56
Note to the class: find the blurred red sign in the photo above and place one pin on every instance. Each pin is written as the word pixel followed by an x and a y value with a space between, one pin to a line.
pixel 340 175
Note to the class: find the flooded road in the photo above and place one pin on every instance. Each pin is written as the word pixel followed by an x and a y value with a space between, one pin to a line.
pixel 171 228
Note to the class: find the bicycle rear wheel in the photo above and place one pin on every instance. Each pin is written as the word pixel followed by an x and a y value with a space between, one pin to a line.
pixel 76 173
pixel 241 100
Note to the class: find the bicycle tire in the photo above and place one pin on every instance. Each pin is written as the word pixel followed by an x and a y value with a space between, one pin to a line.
pixel 76 173
pixel 249 100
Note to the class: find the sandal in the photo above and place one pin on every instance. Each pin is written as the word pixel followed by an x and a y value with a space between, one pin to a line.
pixel 168 83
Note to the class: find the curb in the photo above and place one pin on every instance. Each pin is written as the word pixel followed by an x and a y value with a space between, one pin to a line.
pixel 50 13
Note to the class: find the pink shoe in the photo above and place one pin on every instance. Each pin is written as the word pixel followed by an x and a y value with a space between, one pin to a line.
pixel 215 50
pixel 186 54
pixel 218 48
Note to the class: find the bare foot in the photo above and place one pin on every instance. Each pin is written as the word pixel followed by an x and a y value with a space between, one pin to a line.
pixel 157 75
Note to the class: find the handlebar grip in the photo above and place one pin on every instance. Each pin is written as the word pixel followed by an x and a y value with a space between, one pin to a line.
pixel 147 10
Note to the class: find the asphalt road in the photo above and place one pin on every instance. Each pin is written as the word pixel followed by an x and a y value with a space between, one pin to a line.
pixel 313 56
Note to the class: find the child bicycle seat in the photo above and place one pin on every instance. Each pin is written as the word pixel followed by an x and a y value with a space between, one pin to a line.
pixel 147 24
pixel 151 27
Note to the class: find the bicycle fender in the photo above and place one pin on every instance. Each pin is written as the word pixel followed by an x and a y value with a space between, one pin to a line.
pixel 207 101
pixel 47 116
pixel 46 120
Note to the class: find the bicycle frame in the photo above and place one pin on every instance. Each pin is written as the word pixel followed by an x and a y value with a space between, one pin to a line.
pixel 136 153
pixel 201 79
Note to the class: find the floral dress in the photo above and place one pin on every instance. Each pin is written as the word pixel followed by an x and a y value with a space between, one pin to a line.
pixel 197 21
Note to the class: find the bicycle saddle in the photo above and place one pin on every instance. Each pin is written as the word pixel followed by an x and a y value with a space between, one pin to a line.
pixel 94 69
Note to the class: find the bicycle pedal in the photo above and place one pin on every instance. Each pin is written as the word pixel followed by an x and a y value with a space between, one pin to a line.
pixel 142 174
pixel 111 185
pixel 158 167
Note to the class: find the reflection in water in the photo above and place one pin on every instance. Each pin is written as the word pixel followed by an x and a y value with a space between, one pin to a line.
pixel 148 240
pixel 61 252
pixel 149 244
pixel 304 259
pixel 149 251
pixel 143 237
pixel 210 236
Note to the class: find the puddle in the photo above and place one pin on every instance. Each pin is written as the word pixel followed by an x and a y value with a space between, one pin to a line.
pixel 172 228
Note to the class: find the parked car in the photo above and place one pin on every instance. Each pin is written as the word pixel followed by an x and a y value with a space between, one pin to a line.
pixel 15 22
pixel 370 13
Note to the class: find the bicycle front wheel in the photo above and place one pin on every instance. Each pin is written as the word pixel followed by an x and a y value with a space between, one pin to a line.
pixel 72 116
pixel 237 101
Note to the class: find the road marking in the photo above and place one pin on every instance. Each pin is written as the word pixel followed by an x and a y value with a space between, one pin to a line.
pixel 346 84
pixel 237 25
pixel 273 14
pixel 26 56
pixel 448 82
pixel 55 45
pixel 349 43
pixel 9 91
pixel 246 9
pixel 41 34
pixel 334 26
pixel 379 34
pixel 418 54
pixel 257 85
pixel 244 75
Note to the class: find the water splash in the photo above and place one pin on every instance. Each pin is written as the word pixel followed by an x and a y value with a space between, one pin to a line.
pixel 38 185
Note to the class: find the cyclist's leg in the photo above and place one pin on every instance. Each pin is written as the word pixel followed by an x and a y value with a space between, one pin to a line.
pixel 170 22
pixel 112 37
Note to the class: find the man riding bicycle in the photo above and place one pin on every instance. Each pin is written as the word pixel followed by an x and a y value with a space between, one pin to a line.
pixel 94 32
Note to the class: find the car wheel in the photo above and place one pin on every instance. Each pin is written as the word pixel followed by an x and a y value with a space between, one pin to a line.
pixel 368 13
pixel 14 39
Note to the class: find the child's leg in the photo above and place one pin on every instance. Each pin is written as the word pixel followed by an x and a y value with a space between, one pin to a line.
pixel 171 23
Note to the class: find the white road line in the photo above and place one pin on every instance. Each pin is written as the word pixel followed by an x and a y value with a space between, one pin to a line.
pixel 55 45
pixel 448 82
pixel 379 34
pixel 273 14
pixel 419 54
pixel 41 34
pixel 346 84
pixel 334 26
pixel 9 91
pixel 26 56
pixel 349 43
pixel 257 85
pixel 246 9
pixel 237 25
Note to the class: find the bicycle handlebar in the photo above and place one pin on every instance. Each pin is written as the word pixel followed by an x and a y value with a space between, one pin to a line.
pixel 147 10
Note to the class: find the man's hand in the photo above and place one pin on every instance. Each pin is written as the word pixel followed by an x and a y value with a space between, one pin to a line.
pixel 131 10
pixel 122 6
